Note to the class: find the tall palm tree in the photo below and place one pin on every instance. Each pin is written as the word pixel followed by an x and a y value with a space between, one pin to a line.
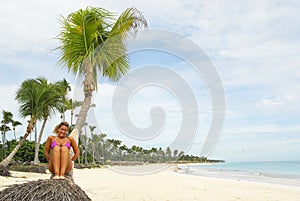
pixel 63 88
pixel 175 152
pixel 102 141
pixel 69 104
pixel 14 125
pixel 54 99
pixel 95 143
pixel 84 35
pixel 7 118
pixel 85 144
pixel 33 99
pixel 123 152
pixel 3 130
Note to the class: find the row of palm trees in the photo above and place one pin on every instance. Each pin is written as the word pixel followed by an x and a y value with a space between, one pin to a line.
pixel 95 148
pixel 98 149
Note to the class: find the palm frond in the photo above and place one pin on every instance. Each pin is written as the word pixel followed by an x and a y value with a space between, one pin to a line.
pixel 131 20
pixel 93 36
pixel 38 98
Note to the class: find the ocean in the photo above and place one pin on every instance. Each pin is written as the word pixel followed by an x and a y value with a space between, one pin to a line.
pixel 277 172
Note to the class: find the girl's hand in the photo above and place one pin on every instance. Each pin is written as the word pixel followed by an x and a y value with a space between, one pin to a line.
pixel 48 158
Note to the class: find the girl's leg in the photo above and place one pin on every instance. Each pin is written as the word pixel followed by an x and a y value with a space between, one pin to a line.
pixel 55 161
pixel 50 165
pixel 69 167
pixel 64 160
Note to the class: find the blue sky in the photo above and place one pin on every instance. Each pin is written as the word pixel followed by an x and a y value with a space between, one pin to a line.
pixel 254 46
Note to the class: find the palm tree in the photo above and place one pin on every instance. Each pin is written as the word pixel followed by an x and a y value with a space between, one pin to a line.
pixel 93 142
pixel 3 130
pixel 175 152
pixel 168 154
pixel 14 125
pixel 54 98
pixel 102 141
pixel 33 99
pixel 116 144
pixel 123 152
pixel 84 35
pixel 7 118
pixel 63 88
pixel 161 154
pixel 85 144
pixel 71 105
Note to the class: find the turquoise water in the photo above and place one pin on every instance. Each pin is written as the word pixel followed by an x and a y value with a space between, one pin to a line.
pixel 271 168
pixel 276 172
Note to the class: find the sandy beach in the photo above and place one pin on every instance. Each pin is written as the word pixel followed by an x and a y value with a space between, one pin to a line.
pixel 164 184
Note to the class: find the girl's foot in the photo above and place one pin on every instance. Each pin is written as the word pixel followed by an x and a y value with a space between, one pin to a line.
pixel 61 177
pixel 55 177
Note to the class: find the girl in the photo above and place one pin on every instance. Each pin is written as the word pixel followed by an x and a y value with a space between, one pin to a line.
pixel 57 151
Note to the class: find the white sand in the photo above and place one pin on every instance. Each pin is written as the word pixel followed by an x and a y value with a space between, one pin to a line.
pixel 106 184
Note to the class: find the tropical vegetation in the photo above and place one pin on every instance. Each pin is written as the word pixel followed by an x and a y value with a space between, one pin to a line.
pixel 97 150
pixel 38 100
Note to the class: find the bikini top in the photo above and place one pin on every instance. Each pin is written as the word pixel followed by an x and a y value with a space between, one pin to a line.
pixel 54 143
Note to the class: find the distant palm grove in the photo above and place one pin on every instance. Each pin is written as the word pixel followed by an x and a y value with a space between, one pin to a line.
pixel 98 148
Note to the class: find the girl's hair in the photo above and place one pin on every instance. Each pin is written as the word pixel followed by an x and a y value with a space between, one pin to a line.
pixel 64 123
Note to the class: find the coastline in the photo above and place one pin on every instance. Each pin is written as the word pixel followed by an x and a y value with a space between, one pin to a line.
pixel 166 184
pixel 237 175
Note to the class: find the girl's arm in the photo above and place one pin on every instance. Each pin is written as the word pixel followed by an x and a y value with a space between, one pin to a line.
pixel 47 147
pixel 75 148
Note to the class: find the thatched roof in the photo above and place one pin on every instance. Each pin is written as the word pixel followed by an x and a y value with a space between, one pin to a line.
pixel 4 172
pixel 47 189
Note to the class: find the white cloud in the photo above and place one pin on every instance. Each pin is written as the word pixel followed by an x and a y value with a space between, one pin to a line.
pixel 270 102
pixel 263 129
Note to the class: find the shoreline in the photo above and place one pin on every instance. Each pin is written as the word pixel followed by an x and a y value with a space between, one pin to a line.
pixel 236 175
pixel 166 184
pixel 245 173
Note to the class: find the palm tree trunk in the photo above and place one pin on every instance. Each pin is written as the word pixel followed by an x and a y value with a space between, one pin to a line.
pixel 4 139
pixel 93 149
pixel 29 129
pixel 81 117
pixel 89 87
pixel 15 133
pixel 35 135
pixel 85 146
pixel 3 143
pixel 36 160
pixel 72 113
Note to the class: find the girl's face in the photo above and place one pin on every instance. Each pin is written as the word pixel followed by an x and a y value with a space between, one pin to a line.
pixel 62 131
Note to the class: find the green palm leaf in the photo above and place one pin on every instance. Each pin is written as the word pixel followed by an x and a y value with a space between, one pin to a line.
pixel 93 45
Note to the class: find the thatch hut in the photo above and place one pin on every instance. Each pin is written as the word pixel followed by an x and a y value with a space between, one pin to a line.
pixel 47 190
